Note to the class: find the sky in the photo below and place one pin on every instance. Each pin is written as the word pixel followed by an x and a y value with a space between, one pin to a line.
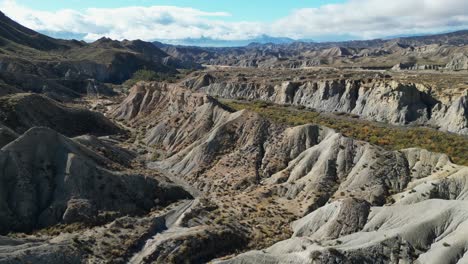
pixel 233 20
pixel 262 10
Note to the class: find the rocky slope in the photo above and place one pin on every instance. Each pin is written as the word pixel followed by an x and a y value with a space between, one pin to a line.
pixel 428 52
pixel 379 100
pixel 301 169
pixel 430 231
pixel 21 112
pixel 304 193
pixel 48 178
pixel 193 131
pixel 68 196
pixel 6 135
pixel 66 69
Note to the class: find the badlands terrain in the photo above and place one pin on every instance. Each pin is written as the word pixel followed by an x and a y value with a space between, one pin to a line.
pixel 138 152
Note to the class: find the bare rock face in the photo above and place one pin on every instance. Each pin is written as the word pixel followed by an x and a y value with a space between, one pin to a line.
pixel 458 62
pixel 181 242
pixel 394 103
pixel 21 112
pixel 334 220
pixel 48 178
pixel 391 102
pixel 416 67
pixel 416 233
pixel 452 117
pixel 424 223
pixel 201 81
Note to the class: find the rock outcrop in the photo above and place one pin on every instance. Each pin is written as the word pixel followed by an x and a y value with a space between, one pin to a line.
pixel 193 131
pixel 458 62
pixel 383 101
pixel 416 67
pixel 432 231
pixel 452 117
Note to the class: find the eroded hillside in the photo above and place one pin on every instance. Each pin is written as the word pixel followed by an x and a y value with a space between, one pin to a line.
pixel 246 176
pixel 371 96
pixel 308 153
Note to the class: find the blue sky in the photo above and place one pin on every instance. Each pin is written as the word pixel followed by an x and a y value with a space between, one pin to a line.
pixel 234 20
pixel 261 10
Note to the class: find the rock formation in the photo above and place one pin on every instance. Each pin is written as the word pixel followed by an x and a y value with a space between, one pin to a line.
pixel 377 100
pixel 458 62
pixel 251 178
pixel 344 183
pixel 48 178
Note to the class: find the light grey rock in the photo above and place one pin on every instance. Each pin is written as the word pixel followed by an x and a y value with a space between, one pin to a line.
pixel 391 102
pixel 333 220
pixel 432 231
pixel 452 117
pixel 458 62
pixel 18 251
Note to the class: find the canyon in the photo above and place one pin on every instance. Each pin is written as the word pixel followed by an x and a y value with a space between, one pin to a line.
pixel 136 152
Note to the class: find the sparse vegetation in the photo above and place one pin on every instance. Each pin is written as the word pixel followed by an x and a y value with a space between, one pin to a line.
pixel 389 137
pixel 149 76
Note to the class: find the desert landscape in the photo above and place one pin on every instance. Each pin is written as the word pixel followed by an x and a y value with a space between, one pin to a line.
pixel 119 151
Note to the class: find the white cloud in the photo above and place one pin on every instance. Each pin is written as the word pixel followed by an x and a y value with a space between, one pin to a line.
pixel 149 23
pixel 375 18
pixel 356 18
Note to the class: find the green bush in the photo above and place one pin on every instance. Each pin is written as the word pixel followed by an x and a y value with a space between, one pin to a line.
pixel 148 76
pixel 386 136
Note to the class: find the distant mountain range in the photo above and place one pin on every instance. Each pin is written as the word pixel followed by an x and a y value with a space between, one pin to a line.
pixel 210 42
pixel 64 69
pixel 415 52
pixel 35 62
pixel 266 39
